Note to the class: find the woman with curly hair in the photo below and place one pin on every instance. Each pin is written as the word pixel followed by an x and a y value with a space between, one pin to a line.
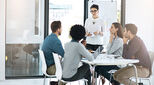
pixel 74 52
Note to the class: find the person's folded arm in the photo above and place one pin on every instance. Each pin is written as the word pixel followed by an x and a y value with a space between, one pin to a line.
pixel 129 51
pixel 84 52
pixel 114 47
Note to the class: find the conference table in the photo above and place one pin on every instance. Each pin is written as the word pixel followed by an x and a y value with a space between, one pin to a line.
pixel 106 60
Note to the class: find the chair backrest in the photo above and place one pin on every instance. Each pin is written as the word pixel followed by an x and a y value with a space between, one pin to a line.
pixel 58 66
pixel 44 66
pixel 151 54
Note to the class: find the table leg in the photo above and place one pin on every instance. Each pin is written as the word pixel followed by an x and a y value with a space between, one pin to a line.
pixel 94 76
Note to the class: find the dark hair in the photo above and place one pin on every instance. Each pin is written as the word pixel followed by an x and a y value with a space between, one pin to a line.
pixel 118 25
pixel 94 6
pixel 132 28
pixel 55 25
pixel 77 32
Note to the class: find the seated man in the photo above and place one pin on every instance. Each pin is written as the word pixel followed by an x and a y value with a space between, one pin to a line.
pixel 74 52
pixel 135 49
pixel 52 44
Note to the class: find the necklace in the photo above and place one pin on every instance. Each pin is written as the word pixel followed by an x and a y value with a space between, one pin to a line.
pixel 93 22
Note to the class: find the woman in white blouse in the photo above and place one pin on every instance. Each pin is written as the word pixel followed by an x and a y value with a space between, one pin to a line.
pixel 94 29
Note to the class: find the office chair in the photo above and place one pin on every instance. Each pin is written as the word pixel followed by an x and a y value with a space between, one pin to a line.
pixel 44 67
pixel 151 54
pixel 59 70
pixel 58 73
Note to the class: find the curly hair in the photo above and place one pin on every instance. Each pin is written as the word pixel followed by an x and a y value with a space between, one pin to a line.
pixel 77 32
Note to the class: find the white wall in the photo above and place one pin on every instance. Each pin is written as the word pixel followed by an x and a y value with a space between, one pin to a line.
pixel 141 13
pixel 2 39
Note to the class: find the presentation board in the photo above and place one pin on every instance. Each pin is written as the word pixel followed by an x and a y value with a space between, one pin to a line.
pixel 108 12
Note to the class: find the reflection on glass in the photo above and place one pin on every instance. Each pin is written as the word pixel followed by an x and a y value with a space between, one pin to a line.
pixel 22 60
pixel 69 12
pixel 36 17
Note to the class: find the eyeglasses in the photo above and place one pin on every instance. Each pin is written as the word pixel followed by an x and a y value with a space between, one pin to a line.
pixel 93 11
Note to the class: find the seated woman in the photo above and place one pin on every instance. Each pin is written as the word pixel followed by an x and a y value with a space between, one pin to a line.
pixel 74 51
pixel 115 47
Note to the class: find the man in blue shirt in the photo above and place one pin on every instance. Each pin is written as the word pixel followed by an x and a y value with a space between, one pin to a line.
pixel 51 45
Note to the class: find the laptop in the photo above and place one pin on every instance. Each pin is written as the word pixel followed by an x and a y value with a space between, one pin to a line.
pixel 98 51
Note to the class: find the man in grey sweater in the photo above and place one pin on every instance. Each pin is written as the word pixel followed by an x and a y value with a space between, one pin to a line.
pixel 74 52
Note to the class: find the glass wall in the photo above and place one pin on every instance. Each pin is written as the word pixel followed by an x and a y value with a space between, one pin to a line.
pixel 24 35
pixel 69 12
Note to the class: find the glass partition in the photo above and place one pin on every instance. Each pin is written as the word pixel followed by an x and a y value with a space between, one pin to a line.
pixel 69 12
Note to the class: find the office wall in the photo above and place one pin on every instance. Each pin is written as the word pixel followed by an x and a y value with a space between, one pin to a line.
pixel 2 39
pixel 141 13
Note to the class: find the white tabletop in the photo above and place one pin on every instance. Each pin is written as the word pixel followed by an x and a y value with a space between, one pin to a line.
pixel 104 59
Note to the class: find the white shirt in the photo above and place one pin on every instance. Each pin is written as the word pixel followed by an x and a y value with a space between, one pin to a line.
pixel 91 26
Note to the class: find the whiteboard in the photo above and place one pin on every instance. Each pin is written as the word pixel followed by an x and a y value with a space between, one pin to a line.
pixel 108 12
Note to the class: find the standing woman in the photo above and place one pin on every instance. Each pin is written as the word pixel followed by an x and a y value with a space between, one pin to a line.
pixel 94 29
pixel 115 47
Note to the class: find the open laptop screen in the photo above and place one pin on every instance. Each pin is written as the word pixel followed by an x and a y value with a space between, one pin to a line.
pixel 98 51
